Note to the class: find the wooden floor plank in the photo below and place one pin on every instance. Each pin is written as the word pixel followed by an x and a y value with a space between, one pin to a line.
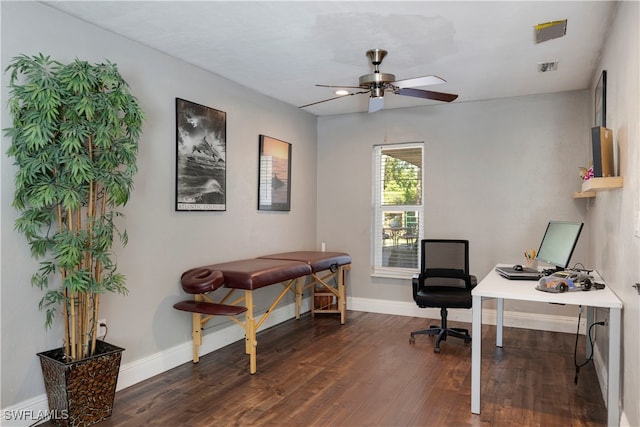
pixel 316 372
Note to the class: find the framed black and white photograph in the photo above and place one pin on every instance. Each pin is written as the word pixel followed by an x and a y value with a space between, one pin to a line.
pixel 201 145
pixel 601 101
pixel 274 177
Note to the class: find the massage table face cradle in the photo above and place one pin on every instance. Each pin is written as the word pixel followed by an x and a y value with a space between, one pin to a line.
pixel 289 269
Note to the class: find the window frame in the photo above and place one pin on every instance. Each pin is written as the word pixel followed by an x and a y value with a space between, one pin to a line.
pixel 378 210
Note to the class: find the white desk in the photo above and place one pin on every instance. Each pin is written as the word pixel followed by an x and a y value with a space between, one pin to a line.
pixel 495 286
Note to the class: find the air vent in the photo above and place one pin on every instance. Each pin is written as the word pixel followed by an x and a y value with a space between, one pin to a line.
pixel 543 67
pixel 550 30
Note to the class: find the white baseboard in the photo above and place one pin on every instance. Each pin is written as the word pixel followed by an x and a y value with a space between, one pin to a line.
pixel 147 367
pixel 534 321
pixel 601 371
pixel 511 318
pixel 27 412
pixel 31 410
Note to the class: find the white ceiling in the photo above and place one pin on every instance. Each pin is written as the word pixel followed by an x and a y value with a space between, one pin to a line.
pixel 282 49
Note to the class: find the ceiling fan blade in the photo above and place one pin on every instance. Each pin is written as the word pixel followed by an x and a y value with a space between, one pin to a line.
pixel 427 94
pixel 419 81
pixel 343 87
pixel 335 97
pixel 376 103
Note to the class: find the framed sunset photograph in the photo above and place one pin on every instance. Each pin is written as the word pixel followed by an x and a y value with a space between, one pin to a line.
pixel 274 177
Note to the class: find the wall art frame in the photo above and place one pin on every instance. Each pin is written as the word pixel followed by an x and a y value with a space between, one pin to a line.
pixel 600 98
pixel 274 175
pixel 201 167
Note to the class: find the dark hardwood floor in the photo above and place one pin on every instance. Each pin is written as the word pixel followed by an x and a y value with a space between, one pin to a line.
pixel 315 372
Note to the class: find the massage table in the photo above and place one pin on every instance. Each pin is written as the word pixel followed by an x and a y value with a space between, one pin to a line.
pixel 295 271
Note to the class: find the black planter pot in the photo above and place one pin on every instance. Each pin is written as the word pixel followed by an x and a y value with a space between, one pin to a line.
pixel 81 393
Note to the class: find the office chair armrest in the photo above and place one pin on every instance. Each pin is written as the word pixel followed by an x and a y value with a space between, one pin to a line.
pixel 415 283
pixel 473 281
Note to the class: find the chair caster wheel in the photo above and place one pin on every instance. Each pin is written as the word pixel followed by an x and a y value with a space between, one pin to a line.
pixel 412 340
pixel 436 350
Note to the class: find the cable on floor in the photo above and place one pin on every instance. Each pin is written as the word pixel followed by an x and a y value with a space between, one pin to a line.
pixel 575 350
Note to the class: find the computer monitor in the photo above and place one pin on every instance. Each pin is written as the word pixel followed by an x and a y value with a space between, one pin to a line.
pixel 558 243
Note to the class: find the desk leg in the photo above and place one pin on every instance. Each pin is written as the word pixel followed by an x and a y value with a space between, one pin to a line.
pixel 476 353
pixel 613 386
pixel 499 321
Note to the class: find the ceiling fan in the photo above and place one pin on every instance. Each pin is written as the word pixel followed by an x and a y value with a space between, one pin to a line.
pixel 377 83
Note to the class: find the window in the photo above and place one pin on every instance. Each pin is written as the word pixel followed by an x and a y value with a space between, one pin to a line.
pixel 397 209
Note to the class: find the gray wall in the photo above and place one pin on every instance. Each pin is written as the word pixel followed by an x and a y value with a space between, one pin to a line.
pixel 162 243
pixel 613 215
pixel 496 173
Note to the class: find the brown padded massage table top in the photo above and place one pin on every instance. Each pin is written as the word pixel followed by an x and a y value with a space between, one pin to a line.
pixel 257 272
pixel 266 270
pixel 318 261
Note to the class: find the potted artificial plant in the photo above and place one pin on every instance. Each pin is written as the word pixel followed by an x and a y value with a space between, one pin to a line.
pixel 74 138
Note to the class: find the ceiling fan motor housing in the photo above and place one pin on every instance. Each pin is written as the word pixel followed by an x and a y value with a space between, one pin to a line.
pixel 376 78
pixel 377 82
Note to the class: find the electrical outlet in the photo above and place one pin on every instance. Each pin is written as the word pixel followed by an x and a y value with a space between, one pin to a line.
pixel 102 330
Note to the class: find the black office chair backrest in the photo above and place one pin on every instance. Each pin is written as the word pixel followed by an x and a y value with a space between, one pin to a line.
pixel 445 262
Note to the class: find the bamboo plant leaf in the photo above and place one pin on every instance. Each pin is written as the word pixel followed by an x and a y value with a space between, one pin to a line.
pixel 74 139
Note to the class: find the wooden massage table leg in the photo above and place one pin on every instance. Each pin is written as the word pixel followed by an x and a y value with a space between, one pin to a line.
pixel 250 332
pixel 252 326
pixel 196 334
pixel 339 291
pixel 299 290
pixel 342 292
pixel 199 319
pixel 196 331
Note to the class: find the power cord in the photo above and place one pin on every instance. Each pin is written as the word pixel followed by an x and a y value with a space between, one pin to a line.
pixel 575 350
pixel 106 331
pixel 581 268
pixel 41 420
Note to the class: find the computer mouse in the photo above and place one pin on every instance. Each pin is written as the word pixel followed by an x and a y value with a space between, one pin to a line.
pixel 518 267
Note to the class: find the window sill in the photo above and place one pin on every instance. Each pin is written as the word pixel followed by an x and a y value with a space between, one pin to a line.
pixel 403 275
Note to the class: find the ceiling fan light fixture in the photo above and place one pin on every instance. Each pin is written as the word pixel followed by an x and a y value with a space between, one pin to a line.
pixel 342 92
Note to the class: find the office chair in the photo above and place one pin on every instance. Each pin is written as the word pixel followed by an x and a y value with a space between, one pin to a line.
pixel 444 282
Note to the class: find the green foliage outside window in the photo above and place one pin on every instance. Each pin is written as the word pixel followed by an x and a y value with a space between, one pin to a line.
pixel 401 182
